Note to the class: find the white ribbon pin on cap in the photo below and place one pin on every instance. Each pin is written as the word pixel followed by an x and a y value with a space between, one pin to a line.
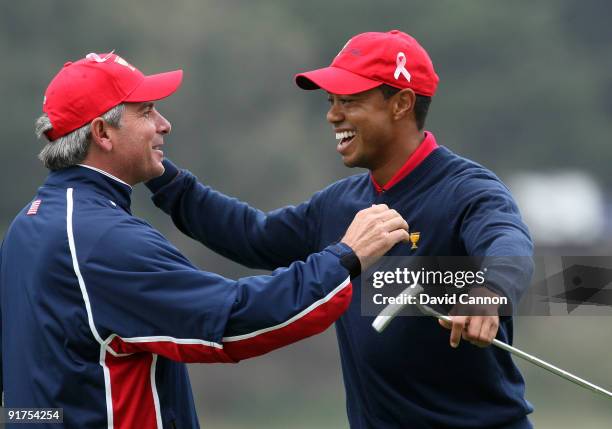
pixel 400 69
pixel 95 57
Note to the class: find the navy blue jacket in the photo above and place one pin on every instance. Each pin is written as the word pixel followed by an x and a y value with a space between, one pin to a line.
pixel 99 310
pixel 409 376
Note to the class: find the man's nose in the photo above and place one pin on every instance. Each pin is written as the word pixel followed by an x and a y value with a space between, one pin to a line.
pixel 334 114
pixel 163 125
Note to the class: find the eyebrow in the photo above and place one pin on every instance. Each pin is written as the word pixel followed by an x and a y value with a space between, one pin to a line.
pixel 357 95
pixel 145 106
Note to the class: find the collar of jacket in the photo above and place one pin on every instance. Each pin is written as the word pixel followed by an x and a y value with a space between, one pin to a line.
pixel 425 148
pixel 77 177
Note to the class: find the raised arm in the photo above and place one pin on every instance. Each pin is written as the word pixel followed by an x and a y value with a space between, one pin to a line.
pixel 232 228
pixel 146 297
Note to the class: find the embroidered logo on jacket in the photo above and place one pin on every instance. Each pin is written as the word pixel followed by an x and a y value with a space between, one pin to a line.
pixel 414 239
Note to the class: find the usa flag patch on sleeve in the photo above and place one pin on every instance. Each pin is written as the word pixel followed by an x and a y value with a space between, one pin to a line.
pixel 34 207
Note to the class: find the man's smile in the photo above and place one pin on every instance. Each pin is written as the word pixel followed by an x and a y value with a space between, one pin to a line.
pixel 157 148
pixel 346 138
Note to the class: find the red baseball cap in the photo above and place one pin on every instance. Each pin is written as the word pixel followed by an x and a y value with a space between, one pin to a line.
pixel 88 88
pixel 371 59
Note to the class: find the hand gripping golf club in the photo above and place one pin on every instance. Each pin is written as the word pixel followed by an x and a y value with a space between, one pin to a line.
pixel 391 310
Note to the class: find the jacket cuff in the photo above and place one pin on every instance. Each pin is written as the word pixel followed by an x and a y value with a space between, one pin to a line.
pixel 170 173
pixel 348 258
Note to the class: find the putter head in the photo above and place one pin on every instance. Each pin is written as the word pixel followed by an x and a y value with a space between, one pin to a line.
pixel 390 311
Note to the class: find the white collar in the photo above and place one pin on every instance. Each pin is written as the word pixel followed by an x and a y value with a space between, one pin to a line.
pixel 105 173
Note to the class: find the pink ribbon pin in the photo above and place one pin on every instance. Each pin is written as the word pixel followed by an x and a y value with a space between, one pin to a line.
pixel 400 69
pixel 95 57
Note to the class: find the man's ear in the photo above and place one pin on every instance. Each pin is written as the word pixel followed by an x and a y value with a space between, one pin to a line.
pixel 403 103
pixel 100 136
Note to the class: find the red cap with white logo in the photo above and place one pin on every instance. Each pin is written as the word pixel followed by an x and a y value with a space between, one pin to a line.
pixel 371 59
pixel 88 88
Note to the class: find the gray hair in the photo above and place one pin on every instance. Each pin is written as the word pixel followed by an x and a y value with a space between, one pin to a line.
pixel 72 148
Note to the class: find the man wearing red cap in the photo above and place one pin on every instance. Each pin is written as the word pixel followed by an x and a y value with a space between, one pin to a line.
pixel 379 87
pixel 99 311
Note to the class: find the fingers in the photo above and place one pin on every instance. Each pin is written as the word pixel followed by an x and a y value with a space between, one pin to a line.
pixel 398 235
pixel 389 221
pixel 376 208
pixel 372 212
pixel 493 328
pixel 489 330
pixel 395 223
pixel 473 330
pixel 392 221
pixel 380 214
pixel 484 331
pixel 373 232
pixel 478 330
pixel 389 214
pixel 458 324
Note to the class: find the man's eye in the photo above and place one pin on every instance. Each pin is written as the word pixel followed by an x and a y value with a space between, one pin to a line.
pixel 340 100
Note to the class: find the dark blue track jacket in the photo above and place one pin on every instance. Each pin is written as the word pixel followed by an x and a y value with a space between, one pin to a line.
pixel 99 310
pixel 408 377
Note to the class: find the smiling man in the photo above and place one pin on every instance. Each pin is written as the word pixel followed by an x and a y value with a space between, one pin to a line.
pixel 379 88
pixel 99 311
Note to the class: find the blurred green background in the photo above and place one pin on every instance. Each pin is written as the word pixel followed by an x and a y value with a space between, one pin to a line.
pixel 525 87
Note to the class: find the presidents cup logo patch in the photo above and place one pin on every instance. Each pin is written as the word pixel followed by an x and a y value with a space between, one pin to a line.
pixel 414 239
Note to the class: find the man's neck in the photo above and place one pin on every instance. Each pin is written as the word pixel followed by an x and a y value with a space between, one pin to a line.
pixel 397 159
pixel 103 171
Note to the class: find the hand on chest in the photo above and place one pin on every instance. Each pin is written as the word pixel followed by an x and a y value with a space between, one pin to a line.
pixel 425 225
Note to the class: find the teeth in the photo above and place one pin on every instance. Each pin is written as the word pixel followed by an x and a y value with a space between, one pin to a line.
pixel 345 135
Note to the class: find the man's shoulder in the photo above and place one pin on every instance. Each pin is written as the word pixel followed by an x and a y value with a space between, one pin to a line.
pixel 125 230
pixel 93 212
pixel 128 242
pixel 462 172
pixel 101 225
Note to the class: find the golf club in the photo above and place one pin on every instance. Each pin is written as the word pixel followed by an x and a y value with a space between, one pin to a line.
pixel 391 310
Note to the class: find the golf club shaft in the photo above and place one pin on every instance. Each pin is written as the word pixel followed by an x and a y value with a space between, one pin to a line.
pixel 530 358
